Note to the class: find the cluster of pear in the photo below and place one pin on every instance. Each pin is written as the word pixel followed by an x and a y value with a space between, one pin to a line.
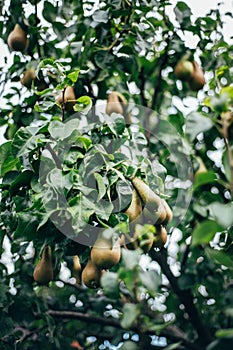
pixel 191 72
pixel 146 207
pixel 17 39
pixel 104 255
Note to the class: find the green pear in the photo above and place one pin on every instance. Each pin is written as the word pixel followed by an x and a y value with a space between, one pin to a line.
pixel 17 39
pixel 43 272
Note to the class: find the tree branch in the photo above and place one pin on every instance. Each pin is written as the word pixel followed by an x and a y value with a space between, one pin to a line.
pixel 185 297
pixel 171 332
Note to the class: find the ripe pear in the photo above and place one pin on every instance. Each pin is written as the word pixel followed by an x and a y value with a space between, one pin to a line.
pixel 105 255
pixel 77 269
pixel 160 237
pixel 197 80
pixel 91 275
pixel 113 104
pixel 169 214
pixel 184 70
pixel 43 272
pixel 135 209
pixel 154 210
pixel 17 39
pixel 143 240
pixel 28 77
pixel 69 98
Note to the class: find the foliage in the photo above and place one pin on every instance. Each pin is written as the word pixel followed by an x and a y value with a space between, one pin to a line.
pixel 66 176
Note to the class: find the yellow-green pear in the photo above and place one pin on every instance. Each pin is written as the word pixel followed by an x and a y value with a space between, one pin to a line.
pixel 77 269
pixel 69 99
pixel 91 275
pixel 104 254
pixel 17 39
pixel 43 272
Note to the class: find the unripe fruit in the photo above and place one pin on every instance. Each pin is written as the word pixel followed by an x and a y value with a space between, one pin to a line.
pixel 17 39
pixel 28 77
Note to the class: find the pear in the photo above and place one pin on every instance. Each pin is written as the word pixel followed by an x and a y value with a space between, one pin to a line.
pixel 116 103
pixel 135 209
pixel 69 98
pixel 77 269
pixel 43 272
pixel 160 237
pixel 105 255
pixel 91 275
pixel 184 70
pixel 113 104
pixel 169 214
pixel 197 80
pixel 28 77
pixel 17 39
pixel 154 210
pixel 201 169
pixel 143 240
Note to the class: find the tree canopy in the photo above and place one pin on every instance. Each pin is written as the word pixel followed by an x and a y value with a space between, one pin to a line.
pixel 116 177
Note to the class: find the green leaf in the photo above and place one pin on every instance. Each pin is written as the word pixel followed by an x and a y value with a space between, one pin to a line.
pixel 110 284
pixel 27 226
pixel 26 140
pixel 49 12
pixel 130 314
pixel 101 186
pixel 197 123
pixel 60 131
pixel 204 178
pixel 83 104
pixel 7 161
pixel 73 76
pixel 130 258
pixel 222 213
pixel 224 333
pixel 205 232
pixel 220 257
pixel 151 280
